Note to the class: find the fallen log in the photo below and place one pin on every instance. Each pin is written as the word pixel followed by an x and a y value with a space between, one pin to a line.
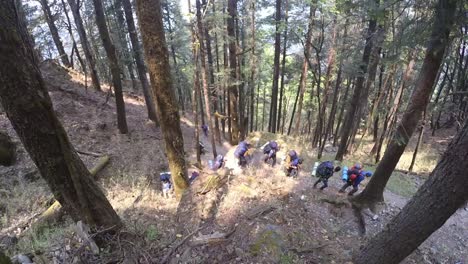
pixel 54 211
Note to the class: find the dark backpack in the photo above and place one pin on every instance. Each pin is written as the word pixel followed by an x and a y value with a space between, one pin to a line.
pixel 267 149
pixel 325 169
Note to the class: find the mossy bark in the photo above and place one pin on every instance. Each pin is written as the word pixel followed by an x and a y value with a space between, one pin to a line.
pixel 28 106
pixel 157 58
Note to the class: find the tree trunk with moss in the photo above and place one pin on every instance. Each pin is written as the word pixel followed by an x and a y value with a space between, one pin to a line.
pixel 84 43
pixel 157 58
pixel 28 106
pixel 438 41
pixel 113 64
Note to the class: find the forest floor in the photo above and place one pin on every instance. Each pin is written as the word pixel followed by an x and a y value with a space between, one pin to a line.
pixel 254 215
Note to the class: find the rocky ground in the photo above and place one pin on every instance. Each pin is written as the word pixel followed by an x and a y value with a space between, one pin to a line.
pixel 254 215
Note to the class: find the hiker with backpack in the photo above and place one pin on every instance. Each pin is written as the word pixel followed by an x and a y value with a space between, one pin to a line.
pixel 240 152
pixel 354 177
pixel 205 130
pixel 324 171
pixel 166 183
pixel 218 163
pixel 292 163
pixel 269 150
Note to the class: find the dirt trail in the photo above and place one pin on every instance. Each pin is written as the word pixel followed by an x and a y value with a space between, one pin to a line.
pixel 265 216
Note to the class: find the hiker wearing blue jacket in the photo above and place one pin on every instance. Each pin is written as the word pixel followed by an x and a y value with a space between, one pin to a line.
pixel 270 150
pixel 240 152
pixel 324 171
pixel 205 130
pixel 355 176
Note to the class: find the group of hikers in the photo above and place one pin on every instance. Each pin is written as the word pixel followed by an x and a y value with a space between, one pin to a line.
pixel 351 177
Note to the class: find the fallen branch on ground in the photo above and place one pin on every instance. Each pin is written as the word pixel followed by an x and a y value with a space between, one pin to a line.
pixel 260 210
pixel 54 210
pixel 308 250
pixel 174 248
pixel 215 238
pixel 88 153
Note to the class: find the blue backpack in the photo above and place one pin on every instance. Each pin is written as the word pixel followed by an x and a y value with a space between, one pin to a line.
pixel 241 149
pixel 165 176
pixel 325 169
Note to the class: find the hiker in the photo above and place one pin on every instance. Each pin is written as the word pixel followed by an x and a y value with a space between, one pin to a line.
pixel 205 130
pixel 354 177
pixel 292 163
pixel 201 146
pixel 240 152
pixel 165 178
pixel 218 163
pixel 270 149
pixel 324 171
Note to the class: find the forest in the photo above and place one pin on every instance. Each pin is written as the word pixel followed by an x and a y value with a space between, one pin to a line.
pixel 199 131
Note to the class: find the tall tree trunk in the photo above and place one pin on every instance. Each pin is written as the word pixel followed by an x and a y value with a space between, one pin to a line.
pixel 221 85
pixel 276 70
pixel 204 77
pixel 226 81
pixel 256 106
pixel 28 106
pixel 174 58
pixel 84 43
pixel 263 109
pixel 304 71
pixel 54 32
pixel 233 86
pixel 330 70
pixel 283 64
pixel 358 89
pixel 391 117
pixel 72 37
pixel 418 144
pixel 253 66
pixel 439 198
pixel 137 53
pixel 122 47
pixel 294 110
pixel 113 64
pixel 437 98
pixel 343 104
pixel 445 12
pixel 213 84
pixel 157 59
pixel 196 92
